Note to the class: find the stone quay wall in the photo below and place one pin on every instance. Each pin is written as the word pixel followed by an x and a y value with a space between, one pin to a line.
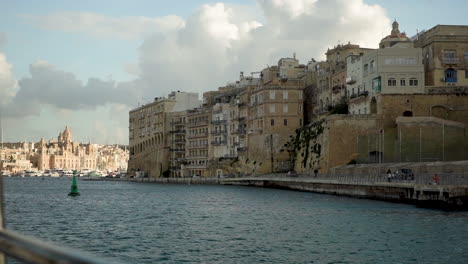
pixel 428 195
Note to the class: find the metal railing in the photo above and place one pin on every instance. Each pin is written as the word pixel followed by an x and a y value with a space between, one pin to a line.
pixel 418 178
pixel 30 250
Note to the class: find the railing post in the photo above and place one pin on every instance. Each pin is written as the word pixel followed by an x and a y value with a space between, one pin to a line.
pixel 2 218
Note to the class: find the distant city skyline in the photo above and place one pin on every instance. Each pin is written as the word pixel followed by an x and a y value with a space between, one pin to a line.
pixel 86 64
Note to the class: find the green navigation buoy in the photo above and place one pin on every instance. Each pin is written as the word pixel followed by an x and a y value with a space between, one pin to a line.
pixel 74 187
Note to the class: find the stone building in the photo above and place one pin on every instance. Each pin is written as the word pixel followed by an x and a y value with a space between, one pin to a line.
pixel 395 68
pixel 445 55
pixel 275 112
pixel 63 153
pixel 331 76
pixel 149 132
pixel 14 159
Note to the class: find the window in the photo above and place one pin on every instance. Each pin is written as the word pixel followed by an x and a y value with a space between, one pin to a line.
pixel 391 82
pixel 272 122
pixel 300 122
pixel 402 82
pixel 372 66
pixel 413 82
pixel 450 57
pixel 272 108
pixel 272 94
pixel 465 55
pixel 285 108
pixel 450 54
pixel 285 122
pixel 410 61
pixel 285 95
pixel 389 61
pixel 365 110
pixel 466 74
pixel 300 108
pixel 366 67
pixel 450 75
pixel 300 95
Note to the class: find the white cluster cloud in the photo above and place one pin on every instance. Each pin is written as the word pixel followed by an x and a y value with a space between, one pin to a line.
pixel 215 45
pixel 200 53
pixel 50 86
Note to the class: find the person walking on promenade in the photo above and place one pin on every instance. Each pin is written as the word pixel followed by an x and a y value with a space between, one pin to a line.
pixel 435 179
pixel 389 175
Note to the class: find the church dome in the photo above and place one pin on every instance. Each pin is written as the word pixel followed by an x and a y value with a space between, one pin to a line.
pixel 394 37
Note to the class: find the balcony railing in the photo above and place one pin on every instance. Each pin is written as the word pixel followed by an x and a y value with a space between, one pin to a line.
pixel 450 60
pixel 218 143
pixel 177 149
pixel 350 79
pixel 241 149
pixel 197 135
pixel 218 122
pixel 198 123
pixel 239 131
pixel 218 132
pixel 178 131
pixel 197 146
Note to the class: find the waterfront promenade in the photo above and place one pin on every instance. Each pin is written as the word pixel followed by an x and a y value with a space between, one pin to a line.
pixel 451 191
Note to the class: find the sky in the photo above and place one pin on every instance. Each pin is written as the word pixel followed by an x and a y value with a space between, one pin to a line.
pixel 85 64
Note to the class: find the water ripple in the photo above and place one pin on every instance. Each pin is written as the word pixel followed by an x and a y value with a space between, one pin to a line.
pixel 148 223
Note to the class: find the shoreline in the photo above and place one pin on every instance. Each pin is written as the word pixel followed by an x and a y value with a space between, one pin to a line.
pixel 445 197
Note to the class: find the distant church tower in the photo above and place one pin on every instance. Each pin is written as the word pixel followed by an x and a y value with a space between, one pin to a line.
pixel 66 135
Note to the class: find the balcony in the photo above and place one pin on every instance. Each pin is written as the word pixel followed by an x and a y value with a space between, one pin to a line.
pixel 446 60
pixel 351 80
pixel 197 146
pixel 229 156
pixel 242 149
pixel 177 149
pixel 197 135
pixel 196 166
pixel 218 122
pixel 178 131
pixel 199 123
pixel 179 141
pixel 218 132
pixel 218 143
pixel 177 123
pixel 239 131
